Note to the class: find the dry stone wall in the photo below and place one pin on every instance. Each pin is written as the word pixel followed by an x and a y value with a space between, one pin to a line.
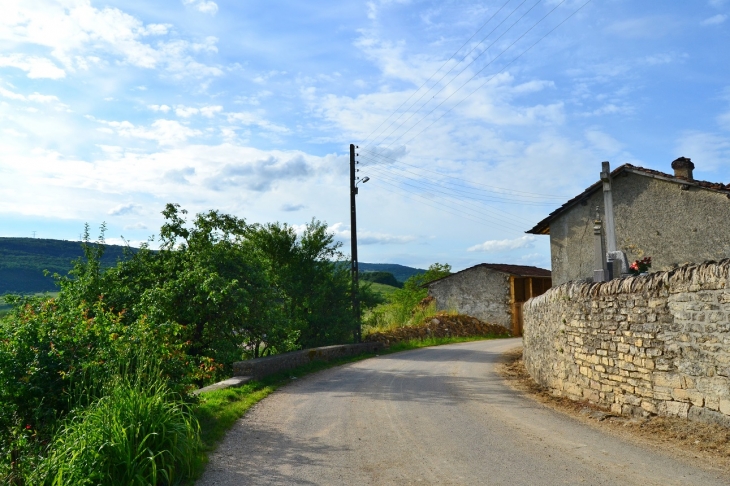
pixel 658 344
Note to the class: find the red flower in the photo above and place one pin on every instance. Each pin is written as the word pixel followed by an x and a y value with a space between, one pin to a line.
pixel 27 427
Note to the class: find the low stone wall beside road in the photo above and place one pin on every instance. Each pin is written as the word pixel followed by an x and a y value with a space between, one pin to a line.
pixel 260 367
pixel 658 344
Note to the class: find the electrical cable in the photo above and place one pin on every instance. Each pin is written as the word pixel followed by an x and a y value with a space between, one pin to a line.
pixel 453 67
pixel 436 72
pixel 463 204
pixel 479 72
pixel 466 192
pixel 472 62
pixel 469 183
pixel 492 77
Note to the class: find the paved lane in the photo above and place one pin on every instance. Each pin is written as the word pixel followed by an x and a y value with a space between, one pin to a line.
pixel 431 416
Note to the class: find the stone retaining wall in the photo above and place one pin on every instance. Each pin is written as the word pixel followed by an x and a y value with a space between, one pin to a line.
pixel 658 344
pixel 260 367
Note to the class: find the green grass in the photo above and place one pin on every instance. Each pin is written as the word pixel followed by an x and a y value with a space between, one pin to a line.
pixel 218 410
pixel 382 289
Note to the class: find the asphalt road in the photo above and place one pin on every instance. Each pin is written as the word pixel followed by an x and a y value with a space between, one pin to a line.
pixel 431 416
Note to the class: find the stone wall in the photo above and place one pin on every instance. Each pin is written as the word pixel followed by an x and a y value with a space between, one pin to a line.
pixel 658 344
pixel 654 217
pixel 260 367
pixel 479 292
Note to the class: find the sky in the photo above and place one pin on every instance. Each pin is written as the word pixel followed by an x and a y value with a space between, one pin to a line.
pixel 473 119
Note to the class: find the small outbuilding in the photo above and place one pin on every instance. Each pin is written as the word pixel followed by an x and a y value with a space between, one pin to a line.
pixel 491 292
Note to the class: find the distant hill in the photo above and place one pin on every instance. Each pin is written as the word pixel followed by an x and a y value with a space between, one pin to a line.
pixel 400 272
pixel 23 260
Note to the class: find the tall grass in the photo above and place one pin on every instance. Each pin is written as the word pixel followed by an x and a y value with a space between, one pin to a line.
pixel 137 433
pixel 387 317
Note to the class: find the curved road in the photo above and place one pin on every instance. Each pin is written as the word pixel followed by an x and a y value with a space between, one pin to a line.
pixel 431 416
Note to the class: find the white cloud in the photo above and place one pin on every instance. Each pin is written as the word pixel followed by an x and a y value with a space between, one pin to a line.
pixel 715 19
pixel 164 132
pixel 188 111
pixel 371 237
pixel 205 6
pixel 36 67
pixel 79 36
pixel 248 118
pixel 526 241
pixel 124 209
pixel 162 108
pixel 5 93
pixel 185 111
pixel 210 111
pixel 40 98
pixel 709 151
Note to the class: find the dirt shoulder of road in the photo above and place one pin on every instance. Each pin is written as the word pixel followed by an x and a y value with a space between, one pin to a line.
pixel 699 443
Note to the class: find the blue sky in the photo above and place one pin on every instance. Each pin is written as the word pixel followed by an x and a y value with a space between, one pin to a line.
pixel 109 110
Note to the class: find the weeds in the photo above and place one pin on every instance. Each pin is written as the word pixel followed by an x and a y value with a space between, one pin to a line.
pixel 139 433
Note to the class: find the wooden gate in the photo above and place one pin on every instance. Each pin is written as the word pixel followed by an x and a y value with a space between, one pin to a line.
pixel 521 290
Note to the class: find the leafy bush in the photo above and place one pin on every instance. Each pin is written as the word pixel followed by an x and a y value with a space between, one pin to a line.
pixel 402 308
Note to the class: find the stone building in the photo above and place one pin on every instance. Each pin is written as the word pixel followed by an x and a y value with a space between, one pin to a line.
pixel 492 292
pixel 674 219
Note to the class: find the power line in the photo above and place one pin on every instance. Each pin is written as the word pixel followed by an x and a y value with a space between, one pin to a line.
pixel 464 192
pixel 435 72
pixel 465 67
pixel 492 77
pixel 479 72
pixel 427 202
pixel 469 183
pixel 462 204
pixel 459 73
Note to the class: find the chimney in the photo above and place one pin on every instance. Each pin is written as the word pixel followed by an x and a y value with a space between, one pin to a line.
pixel 683 168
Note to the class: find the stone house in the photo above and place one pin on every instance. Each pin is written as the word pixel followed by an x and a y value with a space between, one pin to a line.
pixel 491 292
pixel 674 219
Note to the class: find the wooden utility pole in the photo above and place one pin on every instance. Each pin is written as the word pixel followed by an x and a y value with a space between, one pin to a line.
pixel 353 250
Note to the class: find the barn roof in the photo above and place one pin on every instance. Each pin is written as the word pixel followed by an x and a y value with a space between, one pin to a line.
pixel 516 270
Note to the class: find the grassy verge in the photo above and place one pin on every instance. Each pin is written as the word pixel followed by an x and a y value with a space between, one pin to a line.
pixel 218 410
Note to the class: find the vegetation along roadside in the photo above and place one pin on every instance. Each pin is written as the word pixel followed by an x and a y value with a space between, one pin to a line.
pixel 96 380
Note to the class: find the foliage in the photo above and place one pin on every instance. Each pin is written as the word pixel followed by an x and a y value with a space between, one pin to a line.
pixel 137 433
pixel 217 290
pixel 403 307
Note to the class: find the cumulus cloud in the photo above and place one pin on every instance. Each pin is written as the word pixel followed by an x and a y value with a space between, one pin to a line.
pixel 35 67
pixel 292 207
pixel 371 237
pixel 259 175
pixel 162 108
pixel 80 36
pixel 124 209
pixel 164 132
pixel 247 118
pixel 205 6
pixel 494 246
pixel 179 176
